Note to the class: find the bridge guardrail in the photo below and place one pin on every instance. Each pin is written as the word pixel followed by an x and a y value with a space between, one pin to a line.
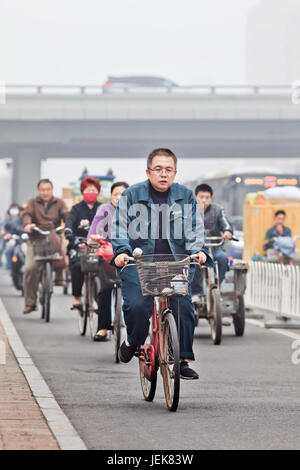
pixel 274 287
pixel 205 90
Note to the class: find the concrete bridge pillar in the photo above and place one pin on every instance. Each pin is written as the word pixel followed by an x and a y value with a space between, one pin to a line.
pixel 26 173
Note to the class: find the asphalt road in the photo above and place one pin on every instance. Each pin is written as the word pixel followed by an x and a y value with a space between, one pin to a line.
pixel 247 396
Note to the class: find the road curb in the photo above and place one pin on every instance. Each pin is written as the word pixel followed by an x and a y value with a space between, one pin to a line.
pixel 60 425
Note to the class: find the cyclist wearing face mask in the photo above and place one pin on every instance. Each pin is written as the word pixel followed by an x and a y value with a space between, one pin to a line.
pixel 12 226
pixel 101 228
pixel 79 221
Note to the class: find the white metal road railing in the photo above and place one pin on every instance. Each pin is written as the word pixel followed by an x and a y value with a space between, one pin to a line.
pixel 274 287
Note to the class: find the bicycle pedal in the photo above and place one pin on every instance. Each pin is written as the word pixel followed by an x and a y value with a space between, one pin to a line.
pixel 226 322
pixel 139 352
pixel 76 308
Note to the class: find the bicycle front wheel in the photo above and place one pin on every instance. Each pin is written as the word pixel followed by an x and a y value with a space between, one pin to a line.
pixel 93 306
pixel 47 288
pixel 82 313
pixel 117 323
pixel 215 317
pixel 41 291
pixel 169 362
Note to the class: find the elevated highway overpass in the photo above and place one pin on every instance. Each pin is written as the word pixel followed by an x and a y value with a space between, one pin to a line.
pixel 39 122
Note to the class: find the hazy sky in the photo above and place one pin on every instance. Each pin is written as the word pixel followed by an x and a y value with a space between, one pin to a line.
pixel 83 41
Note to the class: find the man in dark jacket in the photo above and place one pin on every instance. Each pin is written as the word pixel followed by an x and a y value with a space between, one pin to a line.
pixel 159 217
pixel 47 212
pixel 215 223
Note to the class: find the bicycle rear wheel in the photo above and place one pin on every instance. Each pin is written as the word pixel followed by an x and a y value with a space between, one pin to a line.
pixel 169 362
pixel 148 386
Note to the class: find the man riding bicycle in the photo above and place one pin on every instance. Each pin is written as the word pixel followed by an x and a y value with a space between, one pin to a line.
pixel 45 211
pixel 160 217
pixel 216 224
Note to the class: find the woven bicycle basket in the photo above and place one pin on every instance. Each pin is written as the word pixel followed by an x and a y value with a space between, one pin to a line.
pixel 42 251
pixel 89 261
pixel 107 274
pixel 164 274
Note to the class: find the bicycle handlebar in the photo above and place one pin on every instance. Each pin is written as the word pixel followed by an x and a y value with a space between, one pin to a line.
pixel 83 241
pixel 24 237
pixel 212 242
pixel 45 233
pixel 132 258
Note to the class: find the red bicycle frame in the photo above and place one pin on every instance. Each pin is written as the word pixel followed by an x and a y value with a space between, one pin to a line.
pixel 149 353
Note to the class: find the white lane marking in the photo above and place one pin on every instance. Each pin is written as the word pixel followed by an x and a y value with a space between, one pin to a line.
pixel 279 331
pixel 60 425
pixel 2 353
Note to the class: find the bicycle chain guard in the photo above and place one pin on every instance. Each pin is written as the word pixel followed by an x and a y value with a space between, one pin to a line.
pixel 147 361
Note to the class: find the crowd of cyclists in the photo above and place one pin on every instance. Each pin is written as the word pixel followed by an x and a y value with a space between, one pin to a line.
pixel 93 221
pixel 144 216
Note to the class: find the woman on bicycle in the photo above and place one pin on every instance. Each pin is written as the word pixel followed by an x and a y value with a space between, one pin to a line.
pixel 78 222
pixel 100 229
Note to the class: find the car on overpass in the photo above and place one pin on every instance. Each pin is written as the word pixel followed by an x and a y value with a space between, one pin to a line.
pixel 138 84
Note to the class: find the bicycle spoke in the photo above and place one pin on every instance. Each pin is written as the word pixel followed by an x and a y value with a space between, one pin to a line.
pixel 169 362
pixel 148 386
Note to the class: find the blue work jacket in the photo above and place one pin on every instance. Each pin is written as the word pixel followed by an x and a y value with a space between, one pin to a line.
pixel 133 225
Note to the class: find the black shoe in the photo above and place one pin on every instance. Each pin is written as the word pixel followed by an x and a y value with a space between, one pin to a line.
pixel 99 338
pixel 187 373
pixel 126 353
pixel 78 307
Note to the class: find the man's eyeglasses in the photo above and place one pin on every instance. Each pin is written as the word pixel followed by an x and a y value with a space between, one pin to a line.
pixel 159 171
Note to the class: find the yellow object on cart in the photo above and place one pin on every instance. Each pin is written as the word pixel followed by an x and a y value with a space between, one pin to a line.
pixel 258 217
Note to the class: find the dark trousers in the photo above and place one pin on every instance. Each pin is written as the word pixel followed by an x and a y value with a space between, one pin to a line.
pixel 77 279
pixel 220 256
pixel 197 281
pixel 104 309
pixel 138 310
pixel 9 254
